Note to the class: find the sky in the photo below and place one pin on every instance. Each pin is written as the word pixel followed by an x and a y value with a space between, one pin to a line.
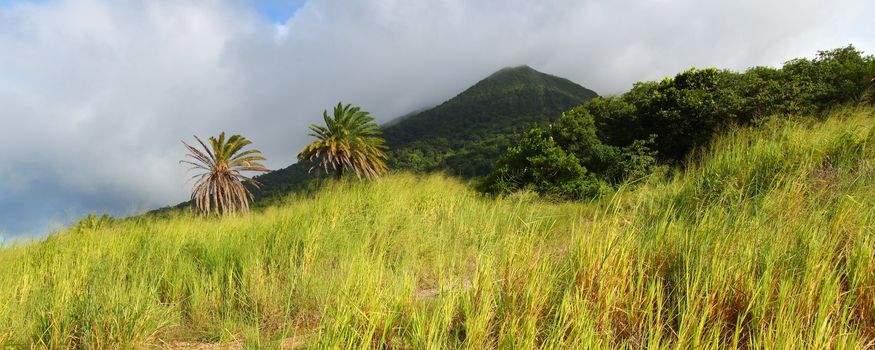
pixel 95 96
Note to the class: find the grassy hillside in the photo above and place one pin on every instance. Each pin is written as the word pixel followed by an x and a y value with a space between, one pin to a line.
pixel 766 241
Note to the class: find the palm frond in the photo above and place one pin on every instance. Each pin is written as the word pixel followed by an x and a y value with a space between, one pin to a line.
pixel 220 189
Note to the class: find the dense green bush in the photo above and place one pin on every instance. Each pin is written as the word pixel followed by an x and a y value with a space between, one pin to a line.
pixel 686 111
pixel 540 164
pixel 568 160
pixel 635 161
pixel 575 132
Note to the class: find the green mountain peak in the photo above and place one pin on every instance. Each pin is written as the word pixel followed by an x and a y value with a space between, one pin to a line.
pixel 466 134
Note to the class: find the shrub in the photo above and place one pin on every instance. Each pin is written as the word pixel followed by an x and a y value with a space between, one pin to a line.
pixel 538 163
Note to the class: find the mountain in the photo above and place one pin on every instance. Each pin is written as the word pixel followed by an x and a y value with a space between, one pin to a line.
pixel 465 135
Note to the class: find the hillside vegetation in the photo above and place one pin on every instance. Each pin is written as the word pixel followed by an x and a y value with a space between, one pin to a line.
pixel 463 136
pixel 523 129
pixel 607 141
pixel 764 240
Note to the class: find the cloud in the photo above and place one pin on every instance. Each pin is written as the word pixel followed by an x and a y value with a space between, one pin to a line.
pixel 95 95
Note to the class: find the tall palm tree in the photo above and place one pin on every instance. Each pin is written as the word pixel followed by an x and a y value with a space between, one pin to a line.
pixel 220 187
pixel 350 140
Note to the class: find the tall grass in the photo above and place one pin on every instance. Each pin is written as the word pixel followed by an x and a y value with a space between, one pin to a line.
pixel 766 240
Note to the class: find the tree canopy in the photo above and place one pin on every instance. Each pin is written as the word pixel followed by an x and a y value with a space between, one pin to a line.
pixel 617 138
pixel 350 140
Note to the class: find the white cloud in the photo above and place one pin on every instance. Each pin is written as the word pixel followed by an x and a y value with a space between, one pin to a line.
pixel 95 95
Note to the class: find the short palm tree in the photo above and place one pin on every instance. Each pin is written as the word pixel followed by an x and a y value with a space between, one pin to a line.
pixel 220 187
pixel 350 140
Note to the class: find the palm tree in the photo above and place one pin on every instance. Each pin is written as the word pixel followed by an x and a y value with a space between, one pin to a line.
pixel 220 187
pixel 350 140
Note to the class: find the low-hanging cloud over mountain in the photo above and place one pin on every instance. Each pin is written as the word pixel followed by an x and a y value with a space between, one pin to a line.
pixel 96 95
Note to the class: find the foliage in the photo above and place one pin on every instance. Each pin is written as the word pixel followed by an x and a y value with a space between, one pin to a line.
pixel 91 222
pixel 568 160
pixel 626 137
pixel 537 162
pixel 635 161
pixel 575 132
pixel 616 120
pixel 219 188
pixel 350 140
pixel 686 111
pixel 763 234
pixel 683 112
pixel 834 76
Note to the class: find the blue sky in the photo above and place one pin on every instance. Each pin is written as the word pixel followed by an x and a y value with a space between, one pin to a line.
pixel 277 11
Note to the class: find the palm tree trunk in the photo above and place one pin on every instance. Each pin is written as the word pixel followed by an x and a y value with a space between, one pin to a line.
pixel 338 173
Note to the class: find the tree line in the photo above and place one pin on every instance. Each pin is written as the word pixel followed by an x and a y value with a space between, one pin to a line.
pixel 609 140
